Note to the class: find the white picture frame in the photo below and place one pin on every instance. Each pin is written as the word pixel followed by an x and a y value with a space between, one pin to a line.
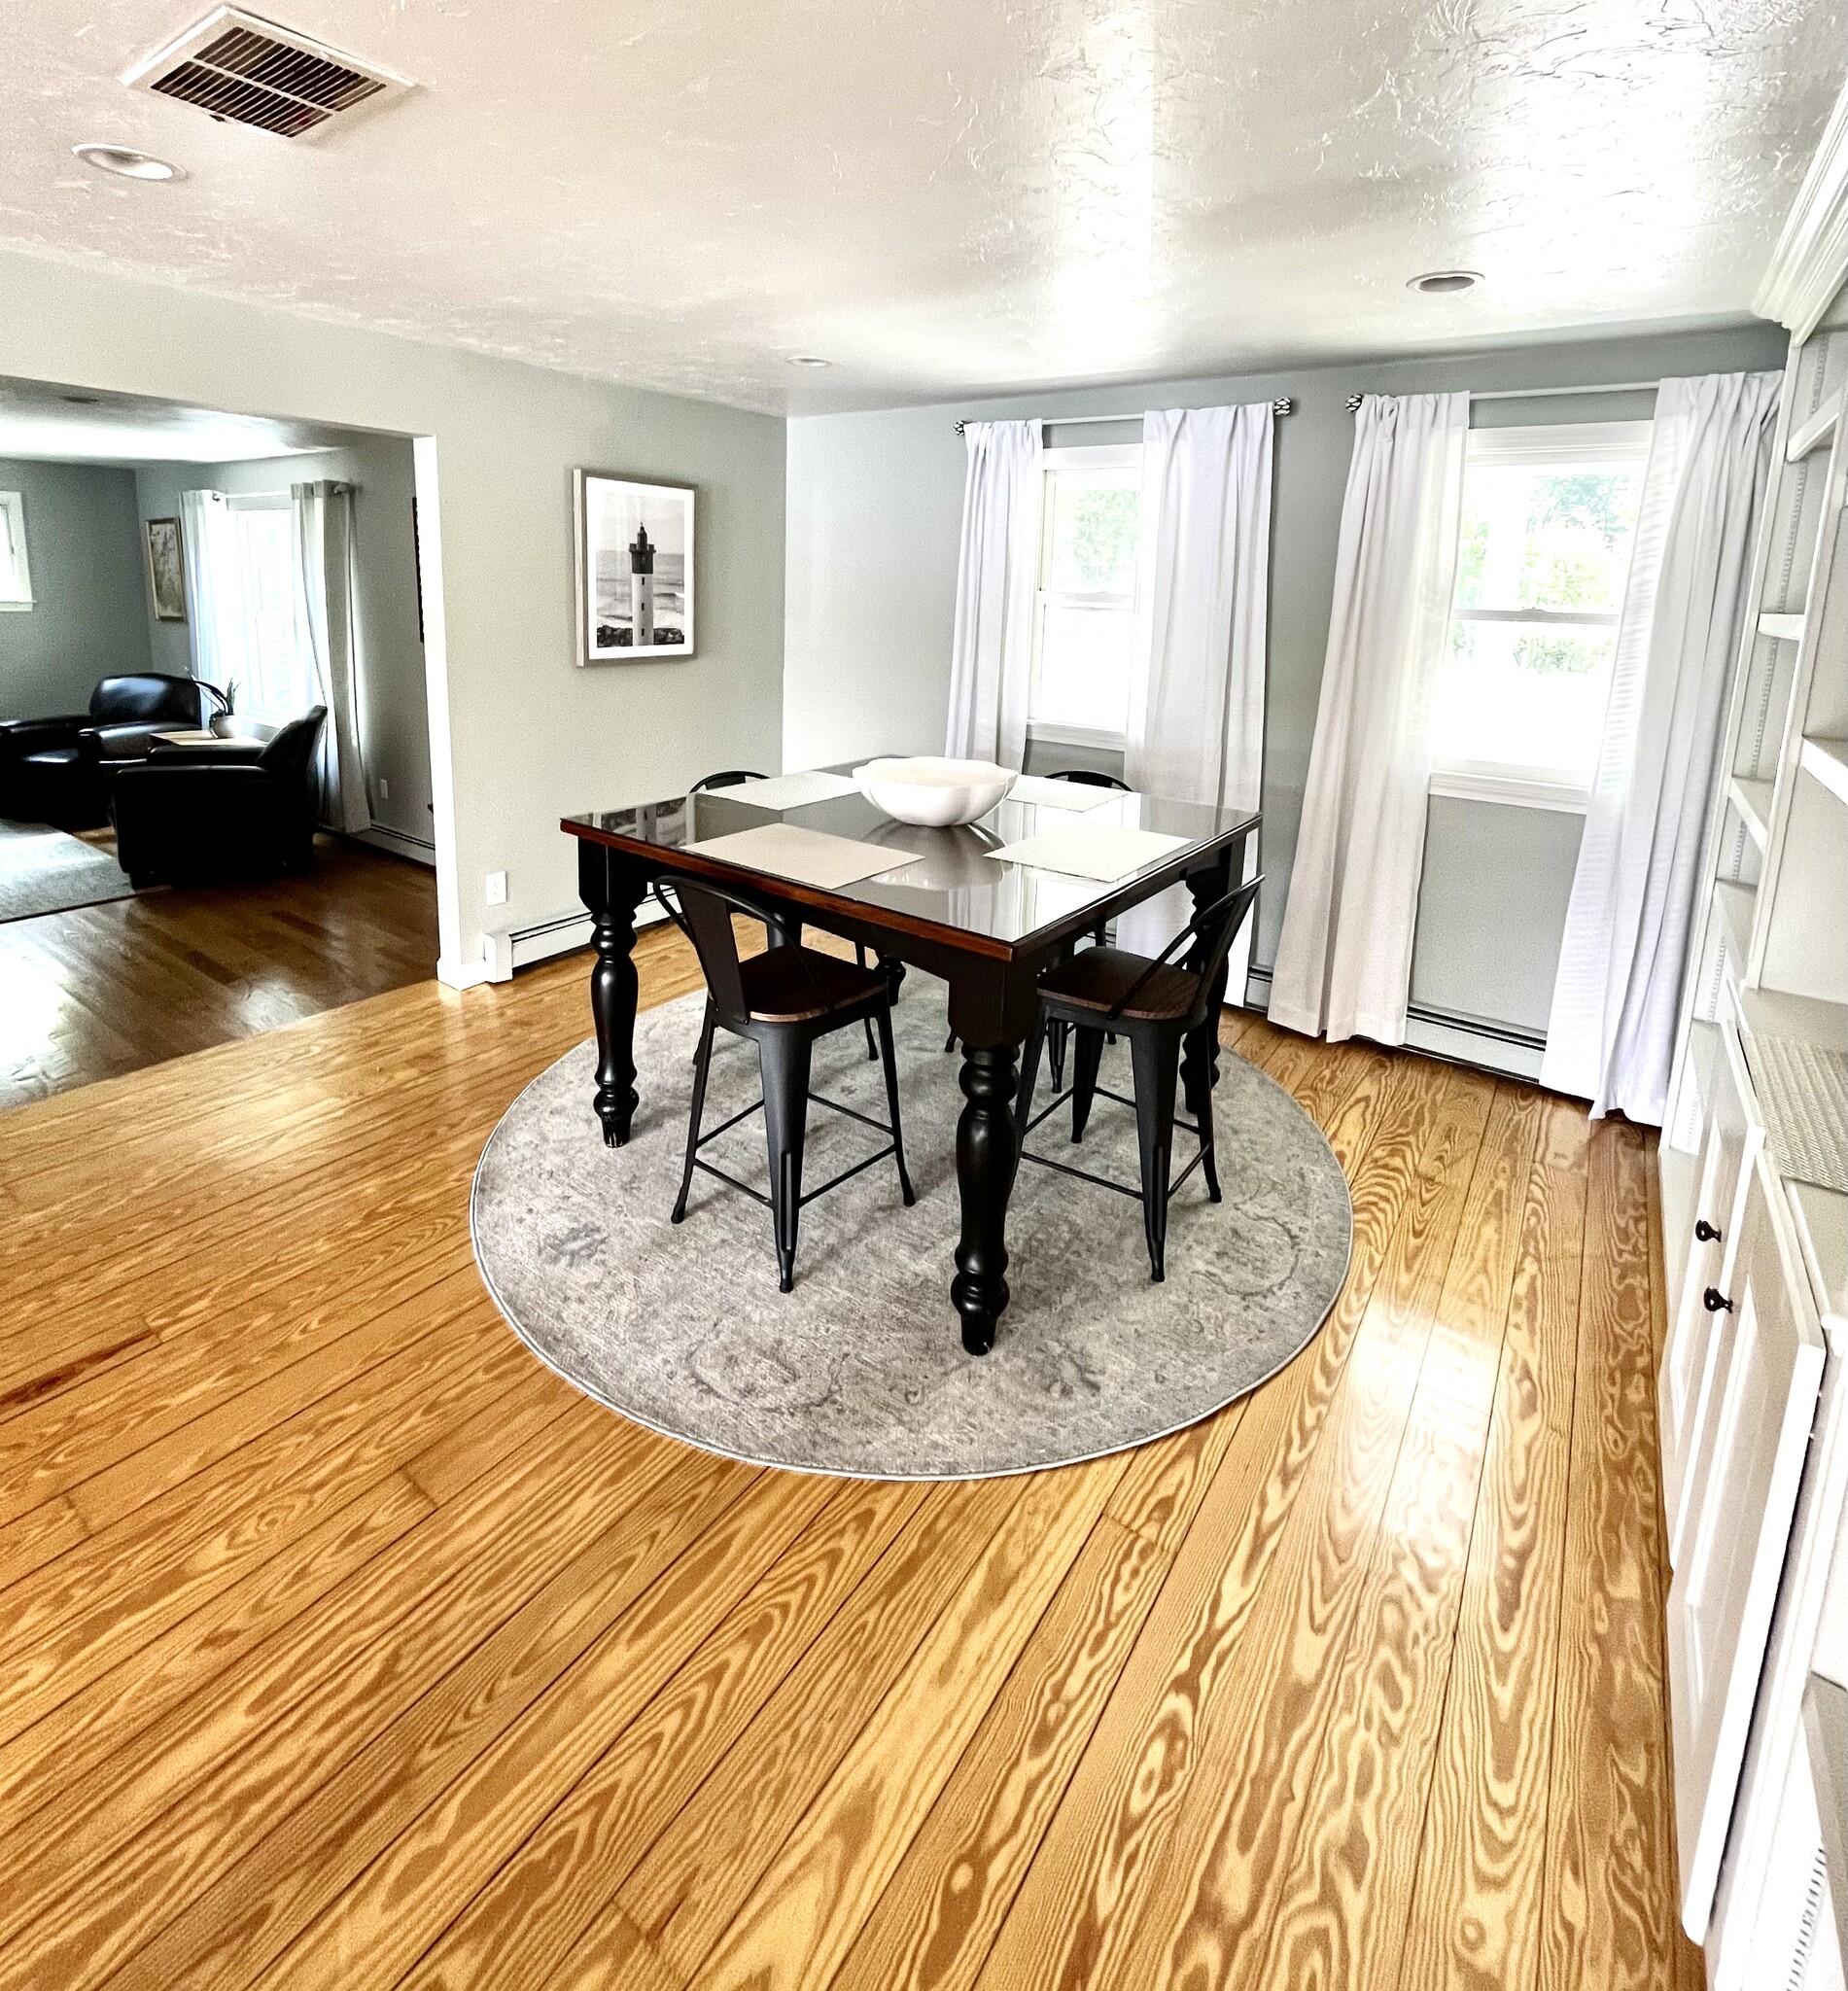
pixel 621 592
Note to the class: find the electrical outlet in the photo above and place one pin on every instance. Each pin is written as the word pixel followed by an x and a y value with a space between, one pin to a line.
pixel 384 790
pixel 497 887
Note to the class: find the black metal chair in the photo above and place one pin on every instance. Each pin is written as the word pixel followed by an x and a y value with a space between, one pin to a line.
pixel 782 1000
pixel 1089 777
pixel 1154 1003
pixel 732 778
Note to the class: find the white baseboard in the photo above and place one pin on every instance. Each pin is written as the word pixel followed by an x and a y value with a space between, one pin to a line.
pixel 462 975
pixel 399 844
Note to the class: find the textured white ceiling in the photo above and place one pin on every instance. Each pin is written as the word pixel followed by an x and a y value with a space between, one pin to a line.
pixel 947 196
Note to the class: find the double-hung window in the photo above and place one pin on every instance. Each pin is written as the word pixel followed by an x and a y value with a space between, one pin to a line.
pixel 1549 523
pixel 1084 631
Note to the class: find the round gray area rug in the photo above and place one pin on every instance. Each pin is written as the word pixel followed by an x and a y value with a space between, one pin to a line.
pixel 861 1369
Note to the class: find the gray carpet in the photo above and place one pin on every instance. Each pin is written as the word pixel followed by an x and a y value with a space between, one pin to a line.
pixel 861 1369
pixel 42 870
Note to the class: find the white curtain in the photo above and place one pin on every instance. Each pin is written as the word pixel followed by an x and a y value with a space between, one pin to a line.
pixel 323 548
pixel 214 588
pixel 1343 961
pixel 1610 1037
pixel 1197 691
pixel 997 585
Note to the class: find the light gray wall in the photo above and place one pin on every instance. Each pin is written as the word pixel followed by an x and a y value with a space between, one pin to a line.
pixel 874 518
pixel 394 719
pixel 519 735
pixel 87 618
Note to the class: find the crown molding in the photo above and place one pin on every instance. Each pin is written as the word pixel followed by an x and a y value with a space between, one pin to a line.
pixel 1810 262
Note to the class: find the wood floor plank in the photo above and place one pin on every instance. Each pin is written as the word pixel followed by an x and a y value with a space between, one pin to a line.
pixel 803 1915
pixel 1072 1914
pixel 1358 1682
pixel 694 1878
pixel 1611 1883
pixel 937 1918
pixel 1474 1917
pixel 346 1877
pixel 534 1908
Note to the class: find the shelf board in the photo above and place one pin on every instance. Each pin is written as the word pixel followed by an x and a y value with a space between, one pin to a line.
pixel 1753 801
pixel 1786 628
pixel 1814 433
pixel 1827 760
pixel 1773 1013
pixel 1734 903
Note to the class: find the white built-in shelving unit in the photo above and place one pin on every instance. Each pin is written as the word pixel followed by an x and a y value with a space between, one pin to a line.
pixel 1754 1390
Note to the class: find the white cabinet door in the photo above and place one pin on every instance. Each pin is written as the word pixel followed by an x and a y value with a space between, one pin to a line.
pixel 1697 1333
pixel 1744 1478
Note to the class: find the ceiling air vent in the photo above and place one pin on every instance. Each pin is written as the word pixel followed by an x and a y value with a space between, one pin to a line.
pixel 254 72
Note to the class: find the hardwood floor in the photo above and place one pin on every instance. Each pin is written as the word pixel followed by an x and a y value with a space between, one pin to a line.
pixel 102 990
pixel 342 1645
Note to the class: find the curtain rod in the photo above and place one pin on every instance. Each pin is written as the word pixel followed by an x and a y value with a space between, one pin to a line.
pixel 1540 393
pixel 1284 406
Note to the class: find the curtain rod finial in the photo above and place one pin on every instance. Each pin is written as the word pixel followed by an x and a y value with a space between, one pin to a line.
pixel 1283 405
pixel 1354 402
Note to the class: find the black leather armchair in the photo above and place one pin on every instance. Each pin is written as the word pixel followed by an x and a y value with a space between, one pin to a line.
pixel 234 810
pixel 58 770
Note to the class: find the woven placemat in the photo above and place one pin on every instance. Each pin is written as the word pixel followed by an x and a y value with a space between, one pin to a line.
pixel 1803 1095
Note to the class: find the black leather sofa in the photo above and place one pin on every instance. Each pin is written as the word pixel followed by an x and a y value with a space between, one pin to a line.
pixel 58 770
pixel 232 809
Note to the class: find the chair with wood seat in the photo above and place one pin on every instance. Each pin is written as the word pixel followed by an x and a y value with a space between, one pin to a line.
pixel 733 778
pixel 1154 1004
pixel 784 1000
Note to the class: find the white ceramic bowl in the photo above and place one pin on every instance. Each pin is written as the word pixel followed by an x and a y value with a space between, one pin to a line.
pixel 934 792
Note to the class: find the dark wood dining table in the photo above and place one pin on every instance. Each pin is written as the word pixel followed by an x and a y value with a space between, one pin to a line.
pixel 986 929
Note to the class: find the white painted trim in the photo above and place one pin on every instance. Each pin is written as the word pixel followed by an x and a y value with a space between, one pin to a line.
pixel 442 768
pixel 1810 262
pixel 1042 734
pixel 1562 441
pixel 1517 790
pixel 1094 456
pixel 419 849
pixel 462 975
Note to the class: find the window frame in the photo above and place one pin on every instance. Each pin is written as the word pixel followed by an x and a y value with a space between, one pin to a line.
pixel 13 503
pixel 1528 785
pixel 236 502
pixel 1092 456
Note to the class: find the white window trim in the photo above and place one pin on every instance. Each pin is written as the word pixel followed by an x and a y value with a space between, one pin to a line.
pixel 12 502
pixel 1537 788
pixel 1087 456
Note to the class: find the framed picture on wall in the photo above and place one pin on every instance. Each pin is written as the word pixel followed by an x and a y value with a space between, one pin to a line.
pixel 167 570
pixel 634 569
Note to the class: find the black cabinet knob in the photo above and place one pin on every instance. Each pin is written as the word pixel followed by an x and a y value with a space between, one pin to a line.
pixel 1715 1300
pixel 1705 1232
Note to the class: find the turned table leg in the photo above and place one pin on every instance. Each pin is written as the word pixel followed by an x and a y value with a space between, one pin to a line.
pixel 612 891
pixel 986 1151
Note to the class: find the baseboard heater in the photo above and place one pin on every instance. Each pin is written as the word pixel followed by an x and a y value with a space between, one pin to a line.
pixel 1505 1049
pixel 509 948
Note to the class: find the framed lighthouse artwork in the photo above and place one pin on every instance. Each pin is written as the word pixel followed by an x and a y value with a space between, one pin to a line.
pixel 635 569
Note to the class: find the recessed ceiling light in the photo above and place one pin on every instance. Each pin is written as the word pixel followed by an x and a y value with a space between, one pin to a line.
pixel 808 360
pixel 125 162
pixel 1442 283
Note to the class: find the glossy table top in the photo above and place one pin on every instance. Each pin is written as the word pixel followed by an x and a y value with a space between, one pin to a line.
pixel 950 881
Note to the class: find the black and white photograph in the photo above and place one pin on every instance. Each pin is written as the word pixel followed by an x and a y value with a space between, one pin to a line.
pixel 635 569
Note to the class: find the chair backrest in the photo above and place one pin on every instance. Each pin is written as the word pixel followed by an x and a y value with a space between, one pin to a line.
pixel 1089 777
pixel 146 695
pixel 1212 931
pixel 291 749
pixel 706 911
pixel 728 778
